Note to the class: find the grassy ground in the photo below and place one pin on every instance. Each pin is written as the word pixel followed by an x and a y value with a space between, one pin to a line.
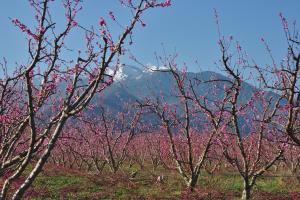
pixel 63 183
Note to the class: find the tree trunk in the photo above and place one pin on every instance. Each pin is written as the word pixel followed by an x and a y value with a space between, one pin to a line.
pixel 193 182
pixel 246 195
pixel 42 160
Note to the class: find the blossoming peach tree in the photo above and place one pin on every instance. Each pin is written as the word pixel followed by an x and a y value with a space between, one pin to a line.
pixel 40 96
pixel 251 154
pixel 283 78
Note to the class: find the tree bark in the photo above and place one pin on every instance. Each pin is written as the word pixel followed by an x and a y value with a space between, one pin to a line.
pixel 41 162
pixel 246 195
pixel 193 182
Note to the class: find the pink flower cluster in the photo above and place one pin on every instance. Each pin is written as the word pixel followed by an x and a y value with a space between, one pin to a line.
pixel 111 15
pixel 102 22
pixel 167 3
pixel 284 21
pixel 24 28
pixel 3 118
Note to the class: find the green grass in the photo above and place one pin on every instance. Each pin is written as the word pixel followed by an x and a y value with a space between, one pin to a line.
pixel 273 185
pixel 55 183
pixel 63 183
pixel 66 185
pixel 222 182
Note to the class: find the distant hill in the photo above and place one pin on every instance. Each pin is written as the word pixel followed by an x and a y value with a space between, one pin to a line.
pixel 137 84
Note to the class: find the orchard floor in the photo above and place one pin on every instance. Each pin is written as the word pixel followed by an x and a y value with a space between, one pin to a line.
pixel 56 182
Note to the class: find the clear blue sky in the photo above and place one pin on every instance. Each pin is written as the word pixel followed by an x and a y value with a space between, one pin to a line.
pixel 188 25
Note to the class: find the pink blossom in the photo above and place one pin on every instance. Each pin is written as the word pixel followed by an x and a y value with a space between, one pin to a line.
pixel 69 88
pixel 167 3
pixel 74 23
pixel 143 24
pixel 287 107
pixel 165 107
pixel 284 21
pixel 238 47
pixel 103 32
pixel 225 87
pixel 24 28
pixel 102 22
pixel 111 15
pixel 3 118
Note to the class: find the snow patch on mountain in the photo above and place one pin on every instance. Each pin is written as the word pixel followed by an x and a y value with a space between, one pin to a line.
pixel 119 74
pixel 150 68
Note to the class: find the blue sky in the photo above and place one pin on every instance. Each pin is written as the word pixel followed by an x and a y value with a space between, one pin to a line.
pixel 187 26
